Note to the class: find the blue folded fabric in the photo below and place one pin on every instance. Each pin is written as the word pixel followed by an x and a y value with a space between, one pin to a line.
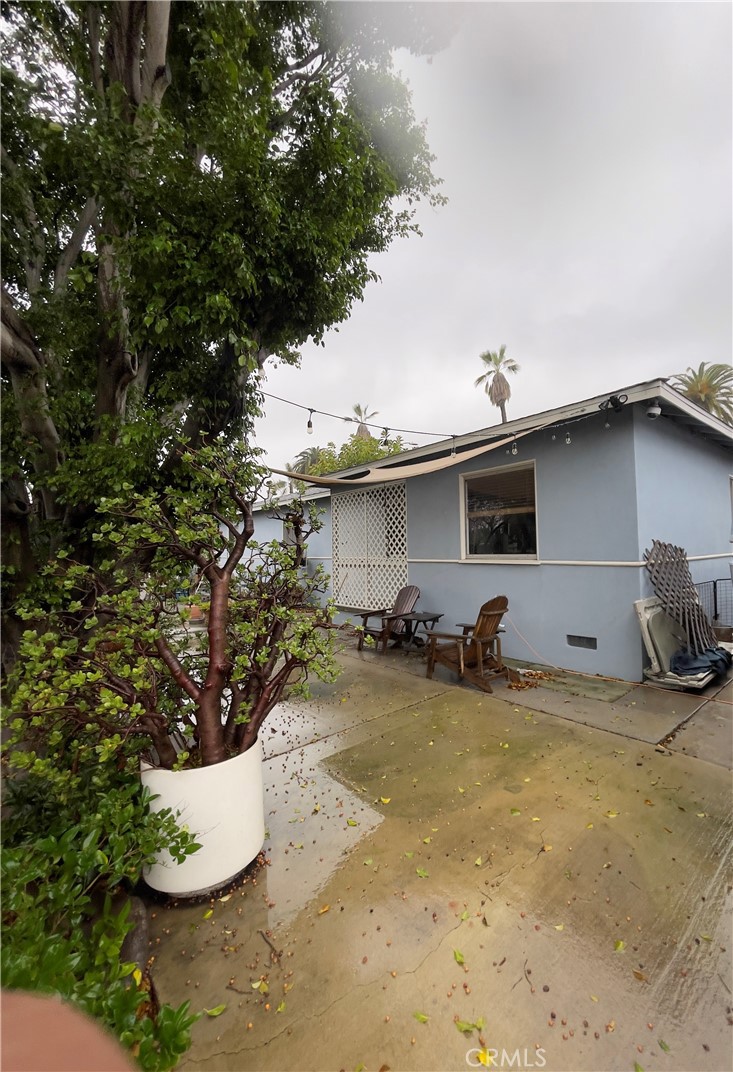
pixel 685 663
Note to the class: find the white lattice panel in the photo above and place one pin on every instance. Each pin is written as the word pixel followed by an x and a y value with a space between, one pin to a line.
pixel 369 545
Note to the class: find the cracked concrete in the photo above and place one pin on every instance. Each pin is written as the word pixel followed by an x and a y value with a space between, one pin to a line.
pixel 559 885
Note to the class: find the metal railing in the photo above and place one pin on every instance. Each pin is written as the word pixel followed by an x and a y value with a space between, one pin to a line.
pixel 716 598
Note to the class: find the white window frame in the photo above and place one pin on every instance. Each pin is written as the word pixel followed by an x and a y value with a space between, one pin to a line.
pixel 474 475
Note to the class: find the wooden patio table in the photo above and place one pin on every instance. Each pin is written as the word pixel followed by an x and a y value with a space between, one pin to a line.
pixel 413 621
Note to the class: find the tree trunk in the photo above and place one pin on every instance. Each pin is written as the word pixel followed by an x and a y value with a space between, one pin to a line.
pixel 27 368
pixel 209 713
pixel 135 53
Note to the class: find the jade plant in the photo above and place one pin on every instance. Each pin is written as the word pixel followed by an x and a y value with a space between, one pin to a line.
pixel 110 669
pixel 107 653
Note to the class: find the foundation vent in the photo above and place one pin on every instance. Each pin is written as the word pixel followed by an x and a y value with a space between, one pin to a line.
pixel 582 641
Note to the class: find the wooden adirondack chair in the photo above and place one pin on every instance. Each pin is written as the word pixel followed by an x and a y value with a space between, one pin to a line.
pixel 475 654
pixel 391 625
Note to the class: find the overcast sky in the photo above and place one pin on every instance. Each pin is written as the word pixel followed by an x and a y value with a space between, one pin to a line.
pixel 585 149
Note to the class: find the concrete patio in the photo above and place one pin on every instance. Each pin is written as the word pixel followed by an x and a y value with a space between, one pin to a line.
pixel 532 879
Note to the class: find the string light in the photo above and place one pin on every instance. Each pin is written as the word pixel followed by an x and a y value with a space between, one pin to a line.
pixel 323 413
pixel 616 403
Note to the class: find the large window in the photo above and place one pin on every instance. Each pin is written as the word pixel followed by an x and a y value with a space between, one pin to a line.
pixel 500 512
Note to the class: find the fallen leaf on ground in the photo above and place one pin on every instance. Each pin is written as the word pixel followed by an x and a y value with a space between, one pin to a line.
pixel 216 1011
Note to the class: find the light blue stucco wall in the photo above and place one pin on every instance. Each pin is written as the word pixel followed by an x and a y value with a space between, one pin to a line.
pixel 586 513
pixel 684 494
pixel 601 500
pixel 585 501
pixel 319 543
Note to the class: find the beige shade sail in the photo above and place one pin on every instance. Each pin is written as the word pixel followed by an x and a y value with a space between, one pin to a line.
pixel 401 472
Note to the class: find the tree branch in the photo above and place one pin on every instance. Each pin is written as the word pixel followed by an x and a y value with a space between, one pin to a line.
pixel 92 13
pixel 26 366
pixel 179 675
pixel 155 73
pixel 73 248
pixel 30 228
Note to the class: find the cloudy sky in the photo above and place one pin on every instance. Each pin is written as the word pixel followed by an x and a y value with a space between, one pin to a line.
pixel 585 149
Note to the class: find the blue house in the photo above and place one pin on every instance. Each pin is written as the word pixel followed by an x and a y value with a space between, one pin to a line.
pixel 554 510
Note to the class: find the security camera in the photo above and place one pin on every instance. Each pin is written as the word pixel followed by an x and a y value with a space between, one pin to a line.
pixel 654 410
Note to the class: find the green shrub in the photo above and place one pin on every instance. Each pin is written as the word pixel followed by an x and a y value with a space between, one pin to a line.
pixel 77 831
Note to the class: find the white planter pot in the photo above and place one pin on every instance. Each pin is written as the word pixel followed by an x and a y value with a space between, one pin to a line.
pixel 223 807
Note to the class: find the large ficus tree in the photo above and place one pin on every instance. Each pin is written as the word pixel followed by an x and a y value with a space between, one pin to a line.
pixel 188 188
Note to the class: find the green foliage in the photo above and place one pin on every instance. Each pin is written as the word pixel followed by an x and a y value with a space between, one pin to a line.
pixel 104 660
pixel 164 237
pixel 105 668
pixel 76 834
pixel 710 386
pixel 357 450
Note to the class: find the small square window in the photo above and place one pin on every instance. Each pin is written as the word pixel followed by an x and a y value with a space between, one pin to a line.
pixel 500 512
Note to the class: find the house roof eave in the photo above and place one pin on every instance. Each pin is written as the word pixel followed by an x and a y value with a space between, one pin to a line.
pixel 673 404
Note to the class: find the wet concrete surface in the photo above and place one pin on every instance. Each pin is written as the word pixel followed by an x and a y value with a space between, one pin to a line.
pixel 439 859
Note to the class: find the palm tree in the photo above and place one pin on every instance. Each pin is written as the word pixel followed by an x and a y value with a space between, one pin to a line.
pixel 361 414
pixel 304 462
pixel 494 381
pixel 710 386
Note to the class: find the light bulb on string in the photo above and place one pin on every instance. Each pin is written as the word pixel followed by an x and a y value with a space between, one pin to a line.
pixel 515 448
pixel 309 425
pixel 568 440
